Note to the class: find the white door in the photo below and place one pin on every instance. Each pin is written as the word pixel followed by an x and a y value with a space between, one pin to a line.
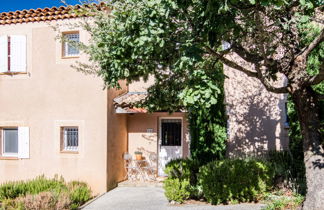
pixel 170 141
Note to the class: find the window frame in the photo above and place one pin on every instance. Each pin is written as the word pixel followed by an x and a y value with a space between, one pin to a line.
pixel 66 44
pixel 6 154
pixel 182 131
pixel 63 141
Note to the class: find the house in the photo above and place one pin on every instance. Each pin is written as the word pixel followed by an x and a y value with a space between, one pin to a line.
pixel 56 120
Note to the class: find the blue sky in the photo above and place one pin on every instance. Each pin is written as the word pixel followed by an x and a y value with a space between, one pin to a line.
pixel 13 5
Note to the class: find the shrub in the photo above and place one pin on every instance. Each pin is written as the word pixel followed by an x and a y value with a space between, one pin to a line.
pixel 79 193
pixel 42 193
pixel 181 183
pixel 11 190
pixel 45 200
pixel 235 180
pixel 183 169
pixel 289 170
pixel 177 190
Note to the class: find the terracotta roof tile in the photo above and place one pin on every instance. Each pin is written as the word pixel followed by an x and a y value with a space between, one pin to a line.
pixel 36 15
pixel 127 99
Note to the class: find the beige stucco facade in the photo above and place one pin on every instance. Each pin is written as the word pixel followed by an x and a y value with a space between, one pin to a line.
pixel 51 95
pixel 143 132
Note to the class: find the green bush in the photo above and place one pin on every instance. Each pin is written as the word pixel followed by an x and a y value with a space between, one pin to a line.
pixel 183 169
pixel 79 193
pixel 11 190
pixel 181 183
pixel 42 193
pixel 177 190
pixel 235 180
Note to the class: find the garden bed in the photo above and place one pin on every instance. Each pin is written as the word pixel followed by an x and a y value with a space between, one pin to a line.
pixel 43 193
pixel 265 181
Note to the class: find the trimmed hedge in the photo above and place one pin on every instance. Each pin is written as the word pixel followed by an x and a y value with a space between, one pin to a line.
pixel 232 180
pixel 235 180
pixel 181 183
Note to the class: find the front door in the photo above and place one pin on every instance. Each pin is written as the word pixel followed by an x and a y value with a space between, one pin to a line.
pixel 170 141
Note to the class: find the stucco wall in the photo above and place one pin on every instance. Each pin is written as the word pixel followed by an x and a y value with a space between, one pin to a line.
pixel 140 140
pixel 141 85
pixel 49 96
pixel 256 116
pixel 117 141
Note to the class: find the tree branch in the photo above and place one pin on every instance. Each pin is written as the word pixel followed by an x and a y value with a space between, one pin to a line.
pixel 250 73
pixel 314 44
pixel 243 53
pixel 267 84
pixel 231 63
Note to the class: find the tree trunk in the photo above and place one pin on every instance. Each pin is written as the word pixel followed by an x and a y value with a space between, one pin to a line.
pixel 308 112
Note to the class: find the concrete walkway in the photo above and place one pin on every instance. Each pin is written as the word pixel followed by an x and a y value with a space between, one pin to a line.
pixel 151 198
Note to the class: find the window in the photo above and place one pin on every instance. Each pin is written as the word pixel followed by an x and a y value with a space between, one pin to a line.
pixel 10 142
pixel 171 132
pixel 13 54
pixel 69 139
pixel 14 142
pixel 70 49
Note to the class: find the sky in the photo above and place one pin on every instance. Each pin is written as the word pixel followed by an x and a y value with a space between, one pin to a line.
pixel 13 5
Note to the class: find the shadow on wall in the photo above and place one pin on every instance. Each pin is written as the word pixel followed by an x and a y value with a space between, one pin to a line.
pixel 256 125
pixel 150 137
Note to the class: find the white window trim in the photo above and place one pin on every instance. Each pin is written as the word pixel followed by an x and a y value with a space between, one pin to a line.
pixel 10 65
pixel 66 45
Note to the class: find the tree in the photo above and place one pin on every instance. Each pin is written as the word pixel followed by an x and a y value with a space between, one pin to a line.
pixel 173 39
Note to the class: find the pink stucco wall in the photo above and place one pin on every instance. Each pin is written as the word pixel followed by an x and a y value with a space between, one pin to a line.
pixel 256 117
pixel 147 142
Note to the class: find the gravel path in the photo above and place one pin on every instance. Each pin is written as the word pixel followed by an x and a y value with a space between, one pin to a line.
pixel 151 198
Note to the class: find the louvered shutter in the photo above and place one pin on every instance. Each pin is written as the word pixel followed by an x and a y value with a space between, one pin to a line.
pixel 23 142
pixel 18 53
pixel 3 53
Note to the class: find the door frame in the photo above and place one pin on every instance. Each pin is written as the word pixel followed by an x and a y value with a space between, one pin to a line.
pixel 159 143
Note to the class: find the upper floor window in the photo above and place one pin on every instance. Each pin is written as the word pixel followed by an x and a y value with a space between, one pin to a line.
pixel 69 45
pixel 13 54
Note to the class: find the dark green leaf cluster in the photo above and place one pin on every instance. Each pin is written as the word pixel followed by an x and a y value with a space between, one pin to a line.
pixel 222 181
pixel 289 167
pixel 235 180
pixel 181 183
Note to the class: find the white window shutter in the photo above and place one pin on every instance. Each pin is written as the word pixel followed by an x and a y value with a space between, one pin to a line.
pixel 23 142
pixel 18 51
pixel 3 53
